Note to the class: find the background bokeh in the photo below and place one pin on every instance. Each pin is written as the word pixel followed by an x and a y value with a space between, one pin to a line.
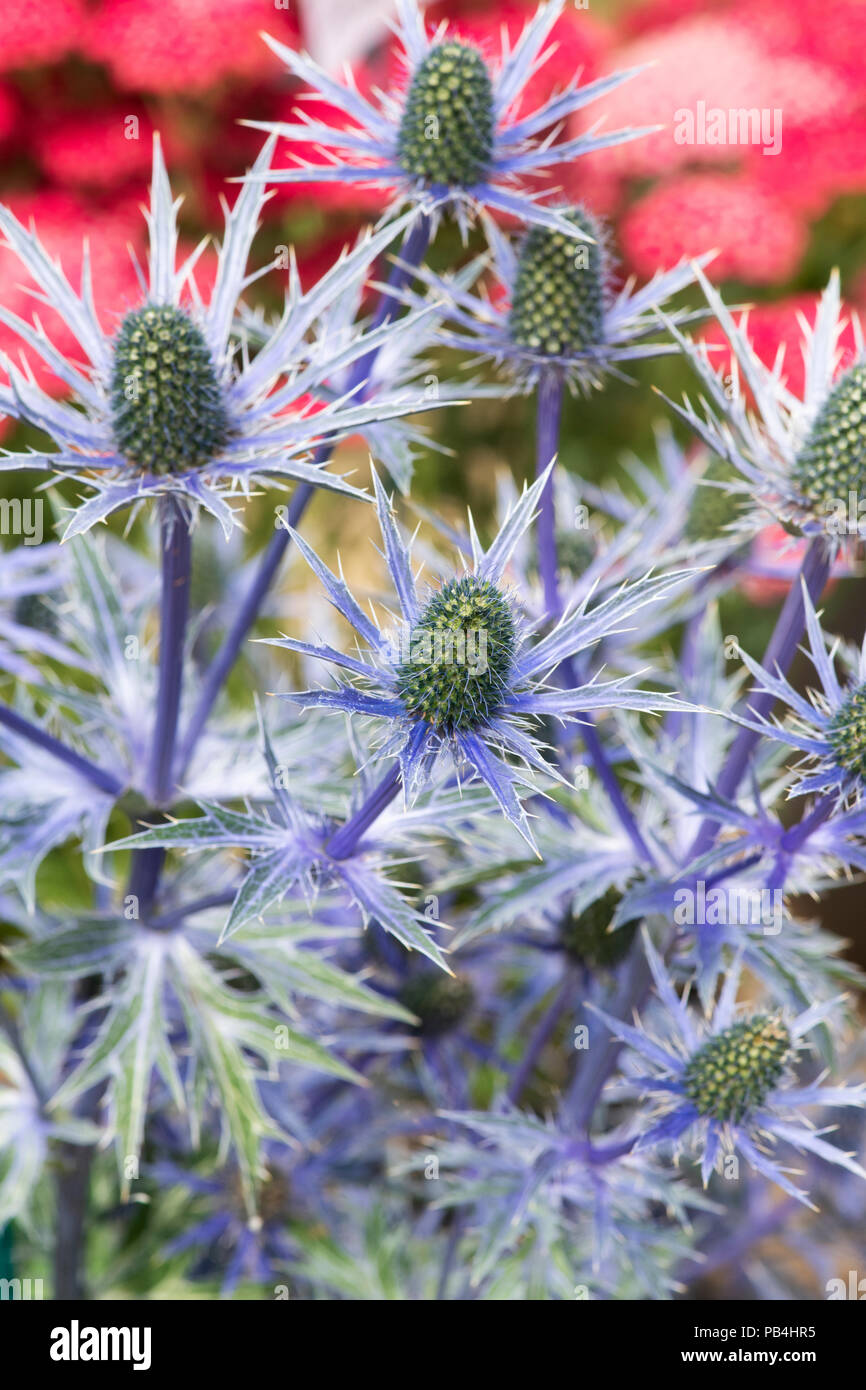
pixel 84 83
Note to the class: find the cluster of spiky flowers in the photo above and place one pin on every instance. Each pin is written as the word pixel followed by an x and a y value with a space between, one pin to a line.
pixel 828 727
pixel 424 1001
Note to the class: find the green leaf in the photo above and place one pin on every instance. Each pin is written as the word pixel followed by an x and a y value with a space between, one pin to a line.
pixel 89 946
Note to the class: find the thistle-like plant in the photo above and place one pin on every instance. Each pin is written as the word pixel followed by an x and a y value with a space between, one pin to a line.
pixel 417 983
pixel 452 138
pixel 460 673
pixel 554 306
pixel 728 1087
pixel 171 404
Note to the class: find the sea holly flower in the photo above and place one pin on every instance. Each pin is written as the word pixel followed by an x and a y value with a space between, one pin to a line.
pixel 542 1199
pixel 172 402
pixel 453 139
pixel 555 307
pixel 728 1086
pixel 460 673
pixel 799 460
pixel 827 725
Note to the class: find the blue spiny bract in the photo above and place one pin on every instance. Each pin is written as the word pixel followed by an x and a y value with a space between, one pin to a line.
pixel 446 134
pixel 167 408
pixel 847 732
pixel 460 658
pixel 558 301
pixel 735 1071
pixel 832 462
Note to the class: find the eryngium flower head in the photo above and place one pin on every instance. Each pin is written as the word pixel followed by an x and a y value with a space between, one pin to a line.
pixel 847 732
pixel 559 292
pixel 174 401
pixel 800 461
pixel 725 1086
pixel 588 936
pixel 440 1002
pixel 446 691
pixel 446 131
pixel 734 1071
pixel 461 675
pixel 557 309
pixel 827 725
pixel 452 138
pixel 832 463
pixel 167 407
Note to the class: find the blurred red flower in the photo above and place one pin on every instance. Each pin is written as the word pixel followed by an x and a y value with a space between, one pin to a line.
pixel 759 240
pixel 100 149
pixel 184 45
pixel 724 66
pixel 8 113
pixel 43 33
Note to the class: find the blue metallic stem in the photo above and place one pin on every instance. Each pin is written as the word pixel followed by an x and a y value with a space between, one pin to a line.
pixel 343 844
pixel 105 781
pixel 174 611
pixel 548 422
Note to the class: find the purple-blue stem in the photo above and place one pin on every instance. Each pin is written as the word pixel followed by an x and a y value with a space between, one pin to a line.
pixel 548 421
pixel 390 302
pixel 778 656
pixel 174 611
pixel 547 426
pixel 176 545
pixel 222 663
pixel 541 1036
pixel 343 844
pixel 19 725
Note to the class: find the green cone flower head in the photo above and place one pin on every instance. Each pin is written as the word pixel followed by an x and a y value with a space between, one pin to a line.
pixel 588 939
pixel 712 509
pixel 847 732
pixel 735 1071
pixel 167 407
pixel 560 291
pixel 446 133
pixel 439 1001
pixel 461 652
pixel 34 610
pixel 832 463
